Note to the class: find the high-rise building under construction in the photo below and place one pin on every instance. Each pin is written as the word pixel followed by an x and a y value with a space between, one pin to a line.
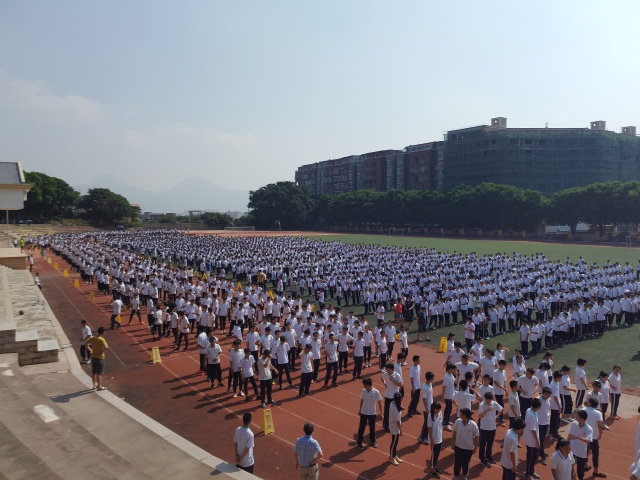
pixel 543 159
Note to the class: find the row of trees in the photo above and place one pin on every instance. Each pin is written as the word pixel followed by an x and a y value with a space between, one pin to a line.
pixel 51 198
pixel 486 206
pixel 213 220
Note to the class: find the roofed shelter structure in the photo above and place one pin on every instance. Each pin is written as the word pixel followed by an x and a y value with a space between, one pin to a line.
pixel 13 193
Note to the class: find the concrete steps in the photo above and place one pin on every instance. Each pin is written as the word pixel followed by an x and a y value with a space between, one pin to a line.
pixel 30 335
pixel 12 258
pixel 50 444
pixel 58 447
pixel 52 427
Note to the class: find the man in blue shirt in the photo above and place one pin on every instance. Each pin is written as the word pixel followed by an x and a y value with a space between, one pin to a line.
pixel 308 452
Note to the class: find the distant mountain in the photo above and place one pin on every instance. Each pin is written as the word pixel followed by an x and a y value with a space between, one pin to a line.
pixel 190 194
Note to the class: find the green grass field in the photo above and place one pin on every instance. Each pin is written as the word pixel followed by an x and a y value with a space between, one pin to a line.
pixel 620 346
pixel 553 251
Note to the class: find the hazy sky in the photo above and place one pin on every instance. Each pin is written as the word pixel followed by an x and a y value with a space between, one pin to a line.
pixel 242 93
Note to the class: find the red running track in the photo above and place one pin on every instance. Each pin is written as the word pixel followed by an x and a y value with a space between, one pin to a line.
pixel 173 394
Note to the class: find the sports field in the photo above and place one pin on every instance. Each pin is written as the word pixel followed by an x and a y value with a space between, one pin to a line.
pixel 553 251
pixel 173 394
pixel 619 346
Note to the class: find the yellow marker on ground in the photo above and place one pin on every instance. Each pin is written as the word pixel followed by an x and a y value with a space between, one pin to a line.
pixel 443 345
pixel 155 355
pixel 267 421
pixel 92 297
pixel 55 265
pixel 65 273
pixel 76 283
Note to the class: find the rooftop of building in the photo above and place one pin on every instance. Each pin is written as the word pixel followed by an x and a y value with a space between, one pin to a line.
pixel 11 173
pixel 499 124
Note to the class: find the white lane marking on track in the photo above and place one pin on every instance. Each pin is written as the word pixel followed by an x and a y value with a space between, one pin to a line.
pixel 46 413
pixel 8 373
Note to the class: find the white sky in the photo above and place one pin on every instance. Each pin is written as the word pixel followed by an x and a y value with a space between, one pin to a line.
pixel 242 93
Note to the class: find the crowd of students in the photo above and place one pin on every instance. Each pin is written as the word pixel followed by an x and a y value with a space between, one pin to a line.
pixel 185 284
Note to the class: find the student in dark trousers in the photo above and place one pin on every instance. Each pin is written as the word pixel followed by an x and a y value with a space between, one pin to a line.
pixel 306 366
pixel 465 441
pixel 448 390
pixel 331 351
pixel 434 422
pixel 369 398
pixel 509 458
pixel 393 382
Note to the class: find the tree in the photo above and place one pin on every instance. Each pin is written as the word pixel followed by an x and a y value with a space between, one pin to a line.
pixel 49 198
pixel 283 202
pixel 104 207
pixel 604 204
pixel 217 220
pixel 568 207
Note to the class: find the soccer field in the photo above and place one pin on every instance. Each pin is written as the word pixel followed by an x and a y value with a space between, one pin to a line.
pixel 553 251
pixel 619 346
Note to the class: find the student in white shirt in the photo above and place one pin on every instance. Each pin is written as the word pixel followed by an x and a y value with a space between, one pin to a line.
pixel 306 368
pixel 509 457
pixel 464 397
pixel 247 373
pixel 500 385
pixel 465 441
pixel 595 421
pixel 565 392
pixel 487 412
pixel 615 384
pixel 531 437
pixel 212 353
pixel 393 382
pixel 581 381
pixel 415 382
pixel 448 391
pixel 528 384
pixel 243 441
pixel 395 427
pixel 434 425
pixel 563 461
pixel 544 416
pixel 265 369
pixel 369 398
pixel 555 405
pixel 580 435
pixel 426 396
pixel 358 355
pixel 85 354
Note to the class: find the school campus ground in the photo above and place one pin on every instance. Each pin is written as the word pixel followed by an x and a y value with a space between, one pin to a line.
pixel 171 392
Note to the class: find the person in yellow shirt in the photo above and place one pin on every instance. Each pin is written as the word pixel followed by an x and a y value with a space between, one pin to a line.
pixel 97 346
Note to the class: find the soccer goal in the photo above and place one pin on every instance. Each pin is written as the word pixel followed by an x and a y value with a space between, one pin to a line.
pixel 631 241
pixel 240 229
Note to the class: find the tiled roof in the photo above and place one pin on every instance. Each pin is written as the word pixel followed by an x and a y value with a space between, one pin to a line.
pixel 9 173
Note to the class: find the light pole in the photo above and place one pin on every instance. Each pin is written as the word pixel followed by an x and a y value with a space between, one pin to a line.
pixel 279 226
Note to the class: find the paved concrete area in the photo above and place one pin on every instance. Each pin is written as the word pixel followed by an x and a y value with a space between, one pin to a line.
pixel 25 298
pixel 54 426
